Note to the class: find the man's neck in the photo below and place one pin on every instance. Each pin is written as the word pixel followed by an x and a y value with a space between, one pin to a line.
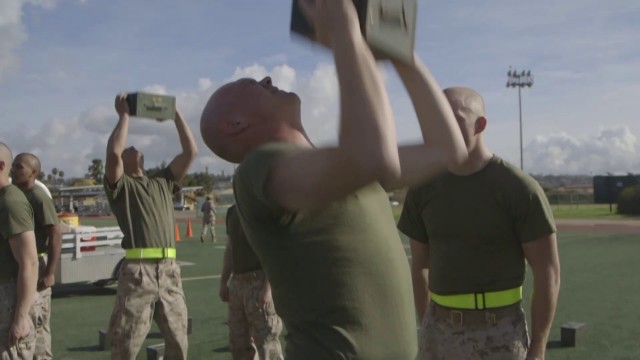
pixel 27 185
pixel 478 159
pixel 4 181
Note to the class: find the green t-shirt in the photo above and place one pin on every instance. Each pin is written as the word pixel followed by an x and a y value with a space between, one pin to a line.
pixel 143 207
pixel 16 217
pixel 244 259
pixel 339 274
pixel 44 213
pixel 475 226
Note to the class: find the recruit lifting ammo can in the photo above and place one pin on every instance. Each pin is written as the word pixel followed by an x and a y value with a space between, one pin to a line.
pixel 152 106
pixel 389 26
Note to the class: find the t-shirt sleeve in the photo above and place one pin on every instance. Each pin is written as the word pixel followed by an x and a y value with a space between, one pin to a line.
pixel 228 219
pixel 534 218
pixel 114 190
pixel 250 184
pixel 411 223
pixel 167 174
pixel 48 210
pixel 17 218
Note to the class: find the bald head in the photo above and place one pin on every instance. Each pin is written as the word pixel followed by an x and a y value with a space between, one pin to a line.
pixel 216 117
pixel 5 153
pixel 29 160
pixel 465 100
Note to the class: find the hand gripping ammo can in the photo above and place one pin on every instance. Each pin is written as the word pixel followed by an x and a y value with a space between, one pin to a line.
pixel 152 106
pixel 388 26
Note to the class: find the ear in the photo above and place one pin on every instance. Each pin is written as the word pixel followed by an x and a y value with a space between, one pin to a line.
pixel 481 124
pixel 3 165
pixel 233 125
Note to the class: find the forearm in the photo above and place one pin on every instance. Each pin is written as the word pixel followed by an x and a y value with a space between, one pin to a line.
pixel 187 142
pixel 367 130
pixel 420 293
pixel 227 266
pixel 54 249
pixel 546 287
pixel 435 116
pixel 26 286
pixel 118 139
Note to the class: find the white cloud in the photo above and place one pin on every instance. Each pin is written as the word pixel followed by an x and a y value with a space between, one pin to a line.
pixel 612 149
pixel 13 32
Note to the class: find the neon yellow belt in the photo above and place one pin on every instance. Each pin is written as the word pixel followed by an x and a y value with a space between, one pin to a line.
pixel 42 254
pixel 479 301
pixel 150 253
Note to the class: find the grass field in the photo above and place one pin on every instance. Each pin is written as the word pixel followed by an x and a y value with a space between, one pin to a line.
pixel 600 287
pixel 578 211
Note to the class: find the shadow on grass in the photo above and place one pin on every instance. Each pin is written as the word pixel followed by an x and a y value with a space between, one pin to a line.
pixel 92 348
pixel 220 350
pixel 81 290
pixel 554 344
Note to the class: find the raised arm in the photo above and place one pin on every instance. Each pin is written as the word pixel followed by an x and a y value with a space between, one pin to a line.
pixel 117 141
pixel 367 149
pixel 23 247
pixel 180 164
pixel 443 142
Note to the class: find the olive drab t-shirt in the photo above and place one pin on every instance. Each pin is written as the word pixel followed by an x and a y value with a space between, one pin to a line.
pixel 339 274
pixel 44 213
pixel 244 259
pixel 143 207
pixel 16 217
pixel 475 226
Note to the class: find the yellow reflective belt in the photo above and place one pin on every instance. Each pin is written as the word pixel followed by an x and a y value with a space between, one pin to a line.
pixel 479 301
pixel 42 254
pixel 151 253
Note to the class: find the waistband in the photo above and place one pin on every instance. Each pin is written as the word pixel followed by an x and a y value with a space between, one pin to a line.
pixel 150 253
pixel 479 301
pixel 249 275
pixel 489 317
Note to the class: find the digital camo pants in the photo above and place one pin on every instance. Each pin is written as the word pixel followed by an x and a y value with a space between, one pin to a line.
pixel 24 349
pixel 456 338
pixel 253 329
pixel 149 290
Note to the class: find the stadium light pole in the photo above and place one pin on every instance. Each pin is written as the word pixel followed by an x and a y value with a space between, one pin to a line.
pixel 520 80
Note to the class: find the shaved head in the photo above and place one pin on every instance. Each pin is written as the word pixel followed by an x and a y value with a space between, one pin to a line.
pixel 465 100
pixel 30 160
pixel 5 154
pixel 246 113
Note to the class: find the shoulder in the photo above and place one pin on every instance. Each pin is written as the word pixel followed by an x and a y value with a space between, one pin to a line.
pixel 514 177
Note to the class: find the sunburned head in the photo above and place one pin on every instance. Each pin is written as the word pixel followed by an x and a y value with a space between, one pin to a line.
pixel 132 161
pixel 468 108
pixel 25 170
pixel 246 113
pixel 6 158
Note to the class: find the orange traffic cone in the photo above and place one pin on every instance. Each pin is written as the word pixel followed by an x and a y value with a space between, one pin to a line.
pixel 178 233
pixel 189 230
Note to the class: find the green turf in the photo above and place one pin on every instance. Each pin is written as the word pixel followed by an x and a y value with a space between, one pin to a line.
pixel 599 286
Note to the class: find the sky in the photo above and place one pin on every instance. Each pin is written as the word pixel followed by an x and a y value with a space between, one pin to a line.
pixel 63 61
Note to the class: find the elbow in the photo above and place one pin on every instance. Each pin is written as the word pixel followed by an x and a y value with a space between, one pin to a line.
pixel 458 156
pixel 383 168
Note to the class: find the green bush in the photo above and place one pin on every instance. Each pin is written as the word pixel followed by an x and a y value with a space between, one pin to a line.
pixel 629 201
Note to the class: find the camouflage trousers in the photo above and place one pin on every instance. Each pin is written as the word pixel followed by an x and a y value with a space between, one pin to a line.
pixel 24 349
pixel 40 314
pixel 148 290
pixel 208 227
pixel 253 329
pixel 480 335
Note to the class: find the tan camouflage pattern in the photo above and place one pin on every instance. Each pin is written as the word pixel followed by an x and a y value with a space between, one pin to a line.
pixel 208 227
pixel 24 350
pixel 441 339
pixel 40 315
pixel 149 290
pixel 253 330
